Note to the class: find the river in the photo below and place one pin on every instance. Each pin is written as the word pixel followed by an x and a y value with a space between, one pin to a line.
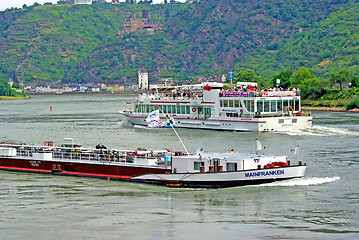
pixel 322 205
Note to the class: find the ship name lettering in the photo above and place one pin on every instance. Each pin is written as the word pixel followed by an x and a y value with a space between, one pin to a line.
pixel 264 173
pixel 35 163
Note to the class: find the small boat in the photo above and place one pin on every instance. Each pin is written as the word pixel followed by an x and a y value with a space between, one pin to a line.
pixel 211 106
pixel 163 167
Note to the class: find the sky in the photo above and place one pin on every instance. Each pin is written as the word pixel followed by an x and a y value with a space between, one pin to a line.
pixel 19 3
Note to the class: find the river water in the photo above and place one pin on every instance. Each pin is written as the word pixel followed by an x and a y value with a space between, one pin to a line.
pixel 322 205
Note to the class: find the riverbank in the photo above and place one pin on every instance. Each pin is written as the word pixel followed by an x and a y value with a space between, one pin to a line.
pixel 12 98
pixel 80 93
pixel 329 109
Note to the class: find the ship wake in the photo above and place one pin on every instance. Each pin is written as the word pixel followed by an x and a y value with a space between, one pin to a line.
pixel 321 131
pixel 306 181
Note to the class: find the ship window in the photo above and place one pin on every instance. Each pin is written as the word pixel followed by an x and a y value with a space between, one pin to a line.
pixel 294 120
pixel 164 109
pixel 291 103
pixel 152 108
pixel 168 109
pixel 285 104
pixel 231 166
pixel 183 109
pixel 273 105
pixel 260 106
pixel 225 103
pixel 173 109
pixel 207 112
pixel 230 103
pixel 148 108
pixel 266 106
pixel 236 103
pixel 143 108
pixel 281 121
pixel 296 105
pixel 187 110
pixel 136 108
pixel 221 103
pixel 279 105
pixel 197 165
pixel 249 105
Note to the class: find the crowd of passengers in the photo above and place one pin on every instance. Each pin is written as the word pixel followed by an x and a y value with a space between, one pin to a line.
pixel 255 89
pixel 179 95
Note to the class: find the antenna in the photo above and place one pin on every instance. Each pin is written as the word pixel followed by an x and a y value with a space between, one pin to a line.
pixel 174 130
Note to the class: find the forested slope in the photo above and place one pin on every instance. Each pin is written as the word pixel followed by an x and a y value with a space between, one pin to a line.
pixel 85 43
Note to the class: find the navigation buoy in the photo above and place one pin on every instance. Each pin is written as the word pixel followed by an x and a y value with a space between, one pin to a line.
pixel 100 99
pixel 50 108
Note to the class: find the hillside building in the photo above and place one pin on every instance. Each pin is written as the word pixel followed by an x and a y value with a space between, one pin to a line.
pixel 133 24
pixel 142 79
pixel 81 1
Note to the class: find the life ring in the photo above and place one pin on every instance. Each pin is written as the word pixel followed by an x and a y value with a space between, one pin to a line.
pixel 50 144
pixel 193 109
pixel 275 165
pixel 46 144
pixel 241 110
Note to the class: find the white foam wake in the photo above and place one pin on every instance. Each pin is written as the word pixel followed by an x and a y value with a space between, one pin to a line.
pixel 302 182
pixel 321 131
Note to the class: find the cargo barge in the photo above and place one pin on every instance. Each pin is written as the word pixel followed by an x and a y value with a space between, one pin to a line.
pixel 163 167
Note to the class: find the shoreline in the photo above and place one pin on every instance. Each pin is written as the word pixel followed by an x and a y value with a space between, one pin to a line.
pixel 3 98
pixel 79 93
pixel 330 109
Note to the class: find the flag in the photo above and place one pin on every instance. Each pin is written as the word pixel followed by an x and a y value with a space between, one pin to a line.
pixel 295 150
pixel 128 103
pixel 154 115
pixel 156 123
pixel 258 146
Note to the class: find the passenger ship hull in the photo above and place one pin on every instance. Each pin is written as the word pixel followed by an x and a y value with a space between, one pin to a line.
pixel 282 123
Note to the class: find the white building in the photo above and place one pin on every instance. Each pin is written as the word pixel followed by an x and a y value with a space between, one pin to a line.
pixel 142 79
pixel 82 1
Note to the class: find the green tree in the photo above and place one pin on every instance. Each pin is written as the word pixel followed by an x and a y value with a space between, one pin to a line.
pixel 343 76
pixel 284 77
pixel 5 89
pixel 313 88
pixel 300 75
pixel 246 75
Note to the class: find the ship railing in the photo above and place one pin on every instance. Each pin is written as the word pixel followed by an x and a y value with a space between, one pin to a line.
pixel 259 94
pixel 179 98
pixel 83 155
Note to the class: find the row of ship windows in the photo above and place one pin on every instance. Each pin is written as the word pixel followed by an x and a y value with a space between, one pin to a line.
pixel 263 105
pixel 172 109
pixel 229 166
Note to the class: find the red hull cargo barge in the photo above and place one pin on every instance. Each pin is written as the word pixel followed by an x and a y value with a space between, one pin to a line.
pixel 171 169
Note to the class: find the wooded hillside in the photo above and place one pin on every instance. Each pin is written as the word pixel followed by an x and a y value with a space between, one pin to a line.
pixel 85 43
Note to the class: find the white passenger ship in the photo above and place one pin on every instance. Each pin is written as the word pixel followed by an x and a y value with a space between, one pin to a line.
pixel 209 106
